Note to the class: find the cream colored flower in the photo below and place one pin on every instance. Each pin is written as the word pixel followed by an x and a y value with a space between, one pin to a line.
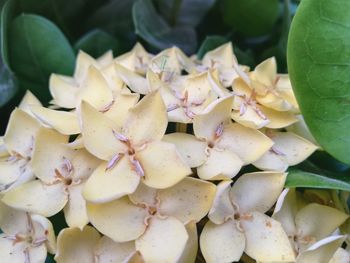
pixel 238 223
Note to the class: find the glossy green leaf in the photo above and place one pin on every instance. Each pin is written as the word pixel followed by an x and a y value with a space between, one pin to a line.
pixel 155 30
pixel 7 13
pixel 210 43
pixel 318 62
pixel 38 48
pixel 184 12
pixel 298 178
pixel 251 17
pixel 98 42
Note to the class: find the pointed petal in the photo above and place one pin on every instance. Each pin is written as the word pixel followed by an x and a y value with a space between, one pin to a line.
pixel 162 164
pixel 36 197
pixel 188 200
pixel 167 235
pixel 21 132
pixel 222 208
pixel 10 172
pixel 64 91
pixel 318 221
pixel 12 221
pixel 120 219
pixel 271 161
pixel 257 191
pixel 249 144
pixel 222 243
pixel 221 164
pixel 135 82
pixel 83 63
pixel 98 135
pixel 106 185
pixel 250 118
pixel 63 121
pixel 28 100
pixel 74 245
pixel 278 119
pixel 49 154
pixel 216 114
pixel 266 72
pixel 266 240
pixel 107 250
pixel 191 149
pixel 322 251
pixel 75 210
pixel 222 55
pixel 147 121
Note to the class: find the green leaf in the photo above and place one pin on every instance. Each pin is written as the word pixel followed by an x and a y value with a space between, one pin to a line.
pixel 154 29
pixel 251 17
pixel 318 61
pixel 38 48
pixel 210 43
pixel 7 13
pixel 8 87
pixel 97 42
pixel 298 178
pixel 184 12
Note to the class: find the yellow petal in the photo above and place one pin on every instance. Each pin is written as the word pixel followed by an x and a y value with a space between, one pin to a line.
pixel 107 250
pixel 166 235
pixel 191 149
pixel 222 56
pixel 249 144
pixel 266 71
pixel 322 251
pixel 10 252
pixel 106 185
pixel 216 114
pixel 257 191
pixel 75 210
pixel 49 154
pixel 83 164
pixel 98 135
pixel 271 161
pixel 162 164
pixel 222 208
pixel 3 149
pixel 222 243
pixel 11 171
pixel 278 119
pixel 221 164
pixel 74 245
pixel 301 129
pixel 318 221
pixel 36 197
pixel 83 63
pixel 145 195
pixel 120 219
pixel 135 82
pixel 21 132
pixel 250 118
pixel 136 60
pixel 266 240
pixel 216 85
pixel 63 121
pixel 64 91
pixel 105 59
pixel 190 253
pixel 44 228
pixel 340 256
pixel 146 121
pixel 188 200
pixel 95 89
pixel 12 221
pixel 29 100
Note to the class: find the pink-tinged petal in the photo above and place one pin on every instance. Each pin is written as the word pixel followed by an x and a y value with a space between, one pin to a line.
pixel 162 165
pixel 222 208
pixel 36 197
pixel 266 240
pixel 108 184
pixel 75 210
pixel 147 120
pixel 120 219
pixel 98 135
pixel 189 200
pixel 257 191
pixel 167 235
pixel 222 243
pixel 221 165
pixel 75 245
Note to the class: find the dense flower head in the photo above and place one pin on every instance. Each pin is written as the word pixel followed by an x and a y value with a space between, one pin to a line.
pixel 143 156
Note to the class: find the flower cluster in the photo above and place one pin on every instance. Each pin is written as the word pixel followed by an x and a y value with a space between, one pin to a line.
pixel 140 150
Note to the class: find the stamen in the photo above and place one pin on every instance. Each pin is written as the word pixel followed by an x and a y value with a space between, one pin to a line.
pixel 242 109
pixel 114 161
pixel 120 136
pixel 219 130
pixel 274 150
pixel 67 165
pixel 172 107
pixel 138 167
pixel 107 107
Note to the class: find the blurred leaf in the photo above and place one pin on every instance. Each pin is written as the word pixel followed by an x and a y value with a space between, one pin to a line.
pixel 97 42
pixel 8 87
pixel 50 259
pixel 184 12
pixel 244 57
pixel 325 161
pixel 154 29
pixel 7 14
pixel 251 17
pixel 298 178
pixel 38 48
pixel 210 43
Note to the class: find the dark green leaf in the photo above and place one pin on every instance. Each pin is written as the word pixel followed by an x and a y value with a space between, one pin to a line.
pixel 210 43
pixel 318 62
pixel 38 48
pixel 50 259
pixel 154 29
pixel 8 87
pixel 298 178
pixel 244 57
pixel 98 42
pixel 7 13
pixel 184 12
pixel 251 17
pixel 327 162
